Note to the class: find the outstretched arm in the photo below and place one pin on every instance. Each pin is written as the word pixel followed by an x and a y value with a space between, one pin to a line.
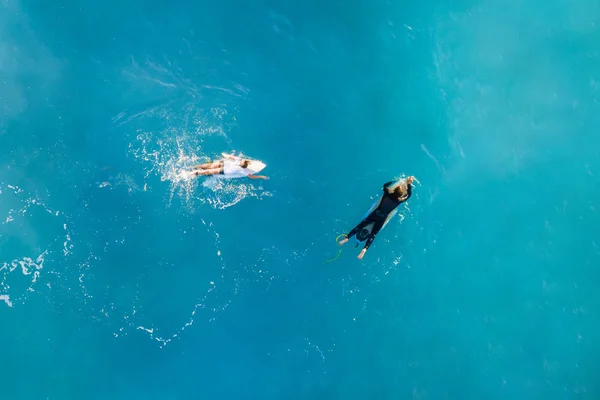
pixel 258 177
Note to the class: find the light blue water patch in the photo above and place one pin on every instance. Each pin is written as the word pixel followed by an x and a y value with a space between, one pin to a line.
pixel 120 280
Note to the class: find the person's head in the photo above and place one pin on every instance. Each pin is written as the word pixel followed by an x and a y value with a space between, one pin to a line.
pixel 400 191
pixel 244 163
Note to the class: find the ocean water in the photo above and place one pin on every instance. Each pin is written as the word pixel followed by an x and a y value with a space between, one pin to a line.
pixel 120 281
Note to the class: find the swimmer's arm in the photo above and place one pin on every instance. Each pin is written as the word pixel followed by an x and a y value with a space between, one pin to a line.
pixel 258 177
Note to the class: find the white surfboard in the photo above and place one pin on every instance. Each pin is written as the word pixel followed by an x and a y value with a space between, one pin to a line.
pixel 254 168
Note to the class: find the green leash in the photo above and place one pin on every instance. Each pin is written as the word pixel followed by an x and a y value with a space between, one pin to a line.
pixel 339 250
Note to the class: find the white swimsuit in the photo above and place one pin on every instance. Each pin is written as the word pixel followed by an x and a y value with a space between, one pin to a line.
pixel 232 168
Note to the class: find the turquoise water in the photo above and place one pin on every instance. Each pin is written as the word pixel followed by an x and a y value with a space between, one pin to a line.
pixel 120 281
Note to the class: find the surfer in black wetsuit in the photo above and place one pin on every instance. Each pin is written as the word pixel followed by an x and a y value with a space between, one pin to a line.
pixel 393 196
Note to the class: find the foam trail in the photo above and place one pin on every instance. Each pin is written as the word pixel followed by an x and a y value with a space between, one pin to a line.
pixel 258 270
pixel 19 273
pixel 169 153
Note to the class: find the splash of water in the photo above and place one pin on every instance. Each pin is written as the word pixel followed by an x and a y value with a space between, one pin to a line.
pixel 26 248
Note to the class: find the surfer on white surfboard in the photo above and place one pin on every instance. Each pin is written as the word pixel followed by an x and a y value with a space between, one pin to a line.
pixel 230 167
pixel 394 194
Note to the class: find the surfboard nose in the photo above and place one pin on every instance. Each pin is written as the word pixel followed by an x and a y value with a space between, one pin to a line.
pixel 256 166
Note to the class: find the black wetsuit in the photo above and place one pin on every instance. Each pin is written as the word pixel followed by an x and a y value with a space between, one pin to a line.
pixel 388 203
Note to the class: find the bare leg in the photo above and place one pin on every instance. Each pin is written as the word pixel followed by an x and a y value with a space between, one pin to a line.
pixel 212 171
pixel 209 165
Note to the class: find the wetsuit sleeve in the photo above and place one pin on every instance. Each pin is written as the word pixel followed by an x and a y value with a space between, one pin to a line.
pixel 386 185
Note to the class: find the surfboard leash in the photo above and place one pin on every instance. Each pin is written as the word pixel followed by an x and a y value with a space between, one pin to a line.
pixel 339 250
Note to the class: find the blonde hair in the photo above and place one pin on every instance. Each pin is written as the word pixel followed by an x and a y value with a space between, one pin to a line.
pixel 401 185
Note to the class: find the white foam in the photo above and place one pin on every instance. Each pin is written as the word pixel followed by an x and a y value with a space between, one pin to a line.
pixel 6 299
pixel 169 152
pixel 19 275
